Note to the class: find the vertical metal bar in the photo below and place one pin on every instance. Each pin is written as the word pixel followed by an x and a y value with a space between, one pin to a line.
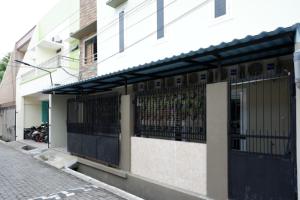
pixel 237 100
pixel 249 116
pixel 126 89
pixel 291 111
pixel 271 113
pixel 279 116
pixel 168 124
pixel 152 114
pixel 156 117
pixel 256 132
pixel 146 108
pixel 242 113
pixel 263 112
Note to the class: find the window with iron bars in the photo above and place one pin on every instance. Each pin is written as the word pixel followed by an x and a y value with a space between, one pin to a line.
pixel 260 110
pixel 174 113
pixel 94 115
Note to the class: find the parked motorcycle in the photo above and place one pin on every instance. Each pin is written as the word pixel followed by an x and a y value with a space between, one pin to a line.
pixel 28 132
pixel 38 134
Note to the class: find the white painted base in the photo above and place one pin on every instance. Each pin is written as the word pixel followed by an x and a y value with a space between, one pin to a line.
pixel 179 164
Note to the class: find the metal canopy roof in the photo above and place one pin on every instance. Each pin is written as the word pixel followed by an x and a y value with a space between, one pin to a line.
pixel 262 46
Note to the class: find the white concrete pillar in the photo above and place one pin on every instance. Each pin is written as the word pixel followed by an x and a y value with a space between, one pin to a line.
pixel 297 80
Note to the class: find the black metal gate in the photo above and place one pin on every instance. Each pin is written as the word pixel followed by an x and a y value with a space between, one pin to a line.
pixel 94 127
pixel 262 139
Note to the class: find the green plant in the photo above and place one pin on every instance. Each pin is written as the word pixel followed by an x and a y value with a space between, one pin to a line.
pixel 3 64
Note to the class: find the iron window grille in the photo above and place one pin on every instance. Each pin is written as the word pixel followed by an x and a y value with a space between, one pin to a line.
pixel 260 115
pixel 175 113
pixel 94 115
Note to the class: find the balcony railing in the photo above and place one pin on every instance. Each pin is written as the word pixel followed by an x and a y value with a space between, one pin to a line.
pixel 90 59
pixel 51 65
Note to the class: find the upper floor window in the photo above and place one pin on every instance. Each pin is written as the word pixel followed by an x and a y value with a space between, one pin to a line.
pixel 90 50
pixel 220 8
pixel 121 32
pixel 160 19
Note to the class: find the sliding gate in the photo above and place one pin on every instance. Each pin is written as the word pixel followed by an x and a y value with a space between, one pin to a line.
pixel 94 127
pixel 262 139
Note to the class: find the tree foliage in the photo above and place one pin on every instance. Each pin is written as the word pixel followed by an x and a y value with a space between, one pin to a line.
pixel 3 64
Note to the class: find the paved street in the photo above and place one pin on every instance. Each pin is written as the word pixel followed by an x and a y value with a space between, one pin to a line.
pixel 23 177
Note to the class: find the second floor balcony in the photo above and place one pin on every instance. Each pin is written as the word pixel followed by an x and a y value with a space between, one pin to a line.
pixel 52 65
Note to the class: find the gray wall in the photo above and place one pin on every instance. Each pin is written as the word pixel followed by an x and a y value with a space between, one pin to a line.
pixel 7 123
pixel 217 140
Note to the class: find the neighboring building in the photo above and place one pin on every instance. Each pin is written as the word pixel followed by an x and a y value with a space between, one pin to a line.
pixel 8 89
pixel 87 35
pixel 53 51
pixel 186 105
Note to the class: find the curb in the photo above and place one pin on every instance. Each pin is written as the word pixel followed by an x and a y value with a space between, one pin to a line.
pixel 102 185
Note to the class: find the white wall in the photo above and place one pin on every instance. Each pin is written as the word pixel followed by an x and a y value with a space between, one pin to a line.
pixel 28 112
pixel 179 164
pixel 32 111
pixel 183 32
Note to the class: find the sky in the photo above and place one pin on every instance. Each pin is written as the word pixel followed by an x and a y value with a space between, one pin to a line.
pixel 17 17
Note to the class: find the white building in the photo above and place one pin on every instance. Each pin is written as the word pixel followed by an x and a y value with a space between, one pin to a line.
pixel 191 99
pixel 50 51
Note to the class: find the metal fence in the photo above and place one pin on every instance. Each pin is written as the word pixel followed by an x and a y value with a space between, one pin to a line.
pixel 175 113
pixel 260 115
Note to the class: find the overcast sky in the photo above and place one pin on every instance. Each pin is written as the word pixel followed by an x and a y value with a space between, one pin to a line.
pixel 19 16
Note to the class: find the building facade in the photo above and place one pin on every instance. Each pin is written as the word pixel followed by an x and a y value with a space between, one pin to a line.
pixel 52 58
pixel 191 100
pixel 8 89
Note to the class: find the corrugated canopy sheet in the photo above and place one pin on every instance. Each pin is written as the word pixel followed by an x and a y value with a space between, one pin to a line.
pixel 262 46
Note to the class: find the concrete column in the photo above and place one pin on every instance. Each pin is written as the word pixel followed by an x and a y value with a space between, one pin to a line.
pixel 58 120
pixel 126 131
pixel 217 140
pixel 20 118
